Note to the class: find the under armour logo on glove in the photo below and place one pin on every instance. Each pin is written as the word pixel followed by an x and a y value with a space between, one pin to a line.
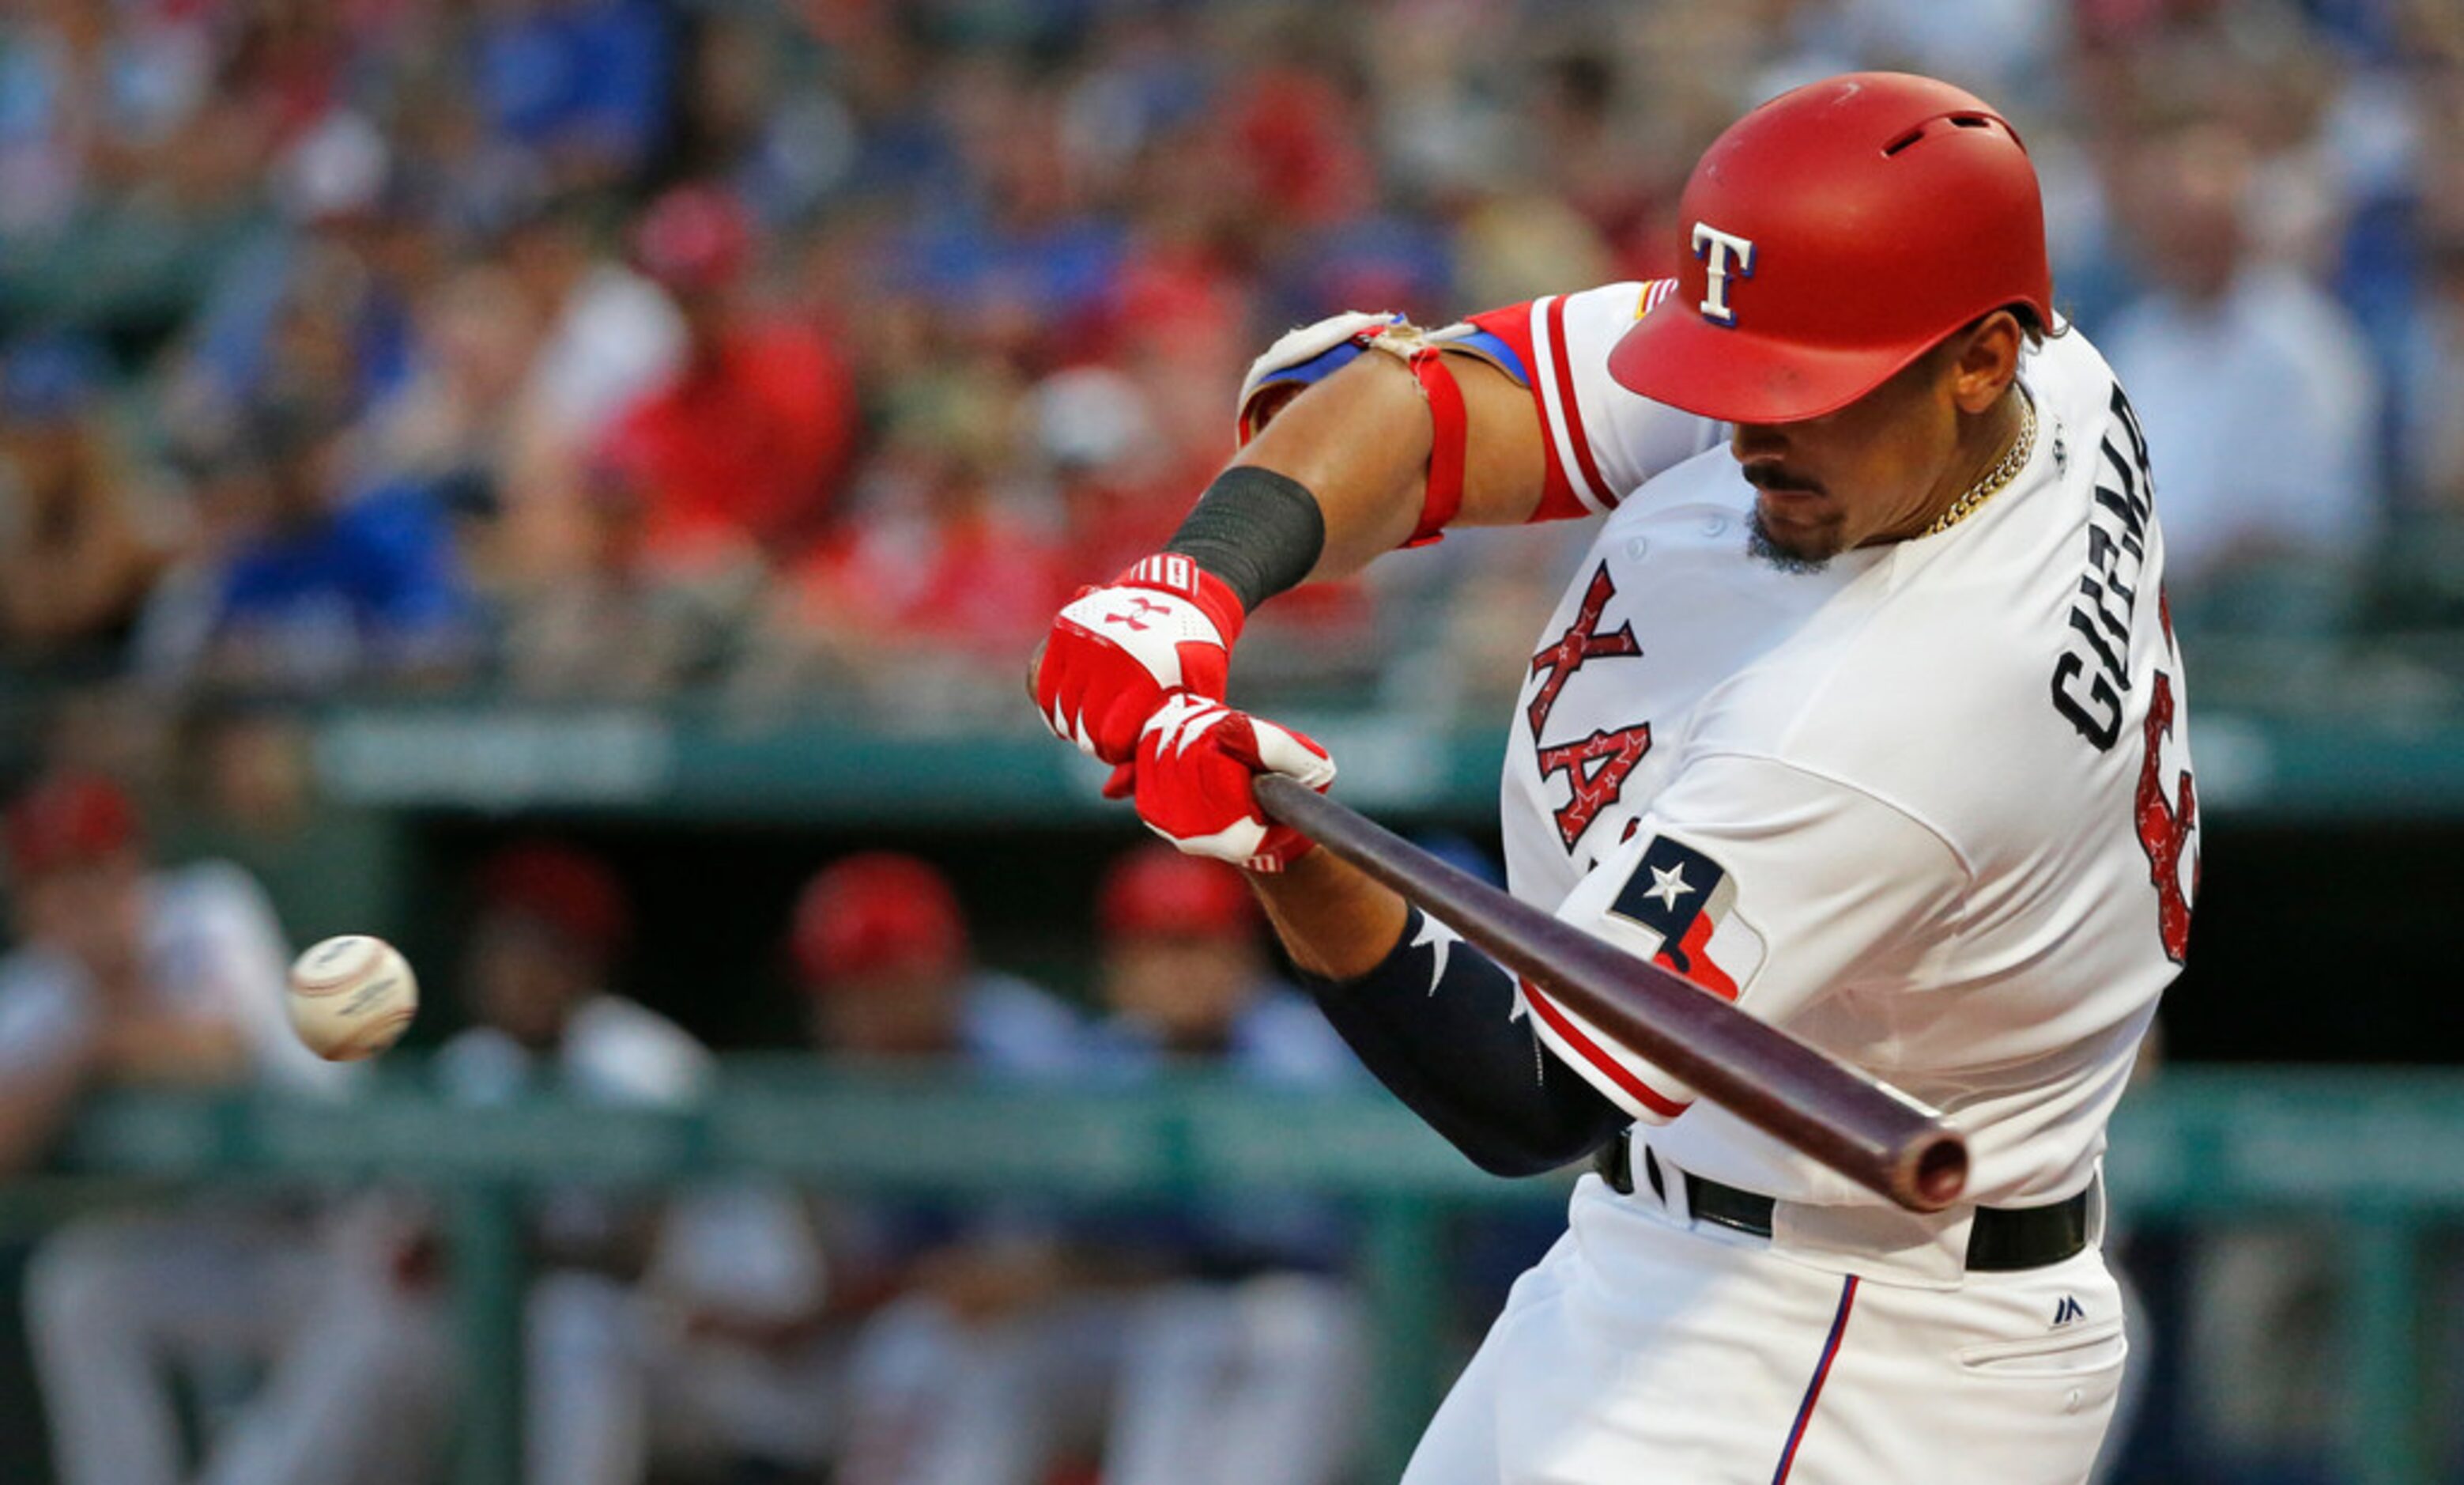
pixel 1113 653
pixel 1135 618
pixel 1196 761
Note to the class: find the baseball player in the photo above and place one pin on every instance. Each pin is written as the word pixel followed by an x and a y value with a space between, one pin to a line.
pixel 1863 711
pixel 130 975
pixel 1240 1352
pixel 610 1375
pixel 611 1383
pixel 976 1348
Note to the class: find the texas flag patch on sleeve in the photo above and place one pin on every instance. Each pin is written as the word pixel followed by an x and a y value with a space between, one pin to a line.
pixel 1679 910
pixel 1689 903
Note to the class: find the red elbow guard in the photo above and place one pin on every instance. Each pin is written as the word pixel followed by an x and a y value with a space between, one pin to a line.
pixel 1442 495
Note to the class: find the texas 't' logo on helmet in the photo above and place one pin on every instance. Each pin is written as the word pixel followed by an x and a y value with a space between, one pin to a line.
pixel 1725 255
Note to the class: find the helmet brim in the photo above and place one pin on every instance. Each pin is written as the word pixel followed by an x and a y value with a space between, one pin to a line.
pixel 1675 356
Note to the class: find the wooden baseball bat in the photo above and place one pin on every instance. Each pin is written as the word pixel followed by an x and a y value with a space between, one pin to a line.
pixel 1863 1129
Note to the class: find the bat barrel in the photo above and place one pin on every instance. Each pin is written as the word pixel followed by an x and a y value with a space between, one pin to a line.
pixel 1866 1129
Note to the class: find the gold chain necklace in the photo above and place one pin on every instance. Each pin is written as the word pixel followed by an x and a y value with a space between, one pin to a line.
pixel 2006 468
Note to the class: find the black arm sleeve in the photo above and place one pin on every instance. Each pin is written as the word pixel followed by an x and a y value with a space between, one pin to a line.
pixel 1259 531
pixel 1437 1022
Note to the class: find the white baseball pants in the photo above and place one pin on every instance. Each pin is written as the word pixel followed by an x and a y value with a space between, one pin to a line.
pixel 1202 1384
pixel 1645 1347
pixel 111 1300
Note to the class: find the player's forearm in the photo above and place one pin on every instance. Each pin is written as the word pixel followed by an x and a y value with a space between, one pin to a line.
pixel 1439 1024
pixel 1359 442
pixel 1335 922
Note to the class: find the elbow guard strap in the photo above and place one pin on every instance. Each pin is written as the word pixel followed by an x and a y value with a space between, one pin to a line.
pixel 1441 497
pixel 1312 354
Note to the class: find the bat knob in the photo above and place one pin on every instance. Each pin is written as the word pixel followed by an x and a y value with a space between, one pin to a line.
pixel 1941 1172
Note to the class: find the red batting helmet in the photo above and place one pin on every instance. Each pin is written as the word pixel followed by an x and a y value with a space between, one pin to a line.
pixel 1157 890
pixel 873 912
pixel 68 818
pixel 1833 236
pixel 573 894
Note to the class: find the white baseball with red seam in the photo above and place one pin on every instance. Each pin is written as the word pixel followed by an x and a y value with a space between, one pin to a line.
pixel 351 997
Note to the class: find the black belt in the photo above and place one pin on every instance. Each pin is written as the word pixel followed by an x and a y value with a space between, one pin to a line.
pixel 2000 1239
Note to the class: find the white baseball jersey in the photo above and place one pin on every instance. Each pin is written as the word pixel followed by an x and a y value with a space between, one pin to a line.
pixel 1929 808
pixel 213 948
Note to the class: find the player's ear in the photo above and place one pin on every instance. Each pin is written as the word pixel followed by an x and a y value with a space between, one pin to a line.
pixel 1987 360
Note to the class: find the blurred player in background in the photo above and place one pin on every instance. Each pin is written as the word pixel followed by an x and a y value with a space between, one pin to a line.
pixel 759 1374
pixel 1242 1362
pixel 959 1313
pixel 128 975
pixel 1180 1347
pixel 882 952
pixel 615 1277
pixel 738 456
pixel 84 537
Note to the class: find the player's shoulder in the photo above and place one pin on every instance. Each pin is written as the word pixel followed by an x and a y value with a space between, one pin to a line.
pixel 1014 1027
pixel 1558 346
pixel 1284 1038
pixel 2070 377
pixel 1603 441
pixel 44 1005
pixel 212 894
pixel 625 1052
pixel 1612 305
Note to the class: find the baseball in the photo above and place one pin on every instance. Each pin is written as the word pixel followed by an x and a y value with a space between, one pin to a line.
pixel 351 997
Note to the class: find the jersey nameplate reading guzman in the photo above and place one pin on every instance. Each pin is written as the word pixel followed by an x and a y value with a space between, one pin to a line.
pixel 2092 673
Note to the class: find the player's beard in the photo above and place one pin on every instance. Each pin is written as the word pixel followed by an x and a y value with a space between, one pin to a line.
pixel 1763 547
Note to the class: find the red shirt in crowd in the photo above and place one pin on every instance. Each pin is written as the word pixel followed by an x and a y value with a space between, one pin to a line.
pixel 972 585
pixel 747 444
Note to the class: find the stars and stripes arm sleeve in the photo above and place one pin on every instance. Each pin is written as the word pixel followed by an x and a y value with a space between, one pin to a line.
pixel 1602 441
pixel 1764 884
pixel 1440 1025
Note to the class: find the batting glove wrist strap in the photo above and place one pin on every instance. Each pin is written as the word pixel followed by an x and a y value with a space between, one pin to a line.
pixel 1184 577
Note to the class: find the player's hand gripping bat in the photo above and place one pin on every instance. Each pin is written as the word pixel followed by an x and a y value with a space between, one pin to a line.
pixel 1864 1129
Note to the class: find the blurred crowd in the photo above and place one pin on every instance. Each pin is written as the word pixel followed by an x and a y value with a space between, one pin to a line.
pixel 615 348
pixel 734 1330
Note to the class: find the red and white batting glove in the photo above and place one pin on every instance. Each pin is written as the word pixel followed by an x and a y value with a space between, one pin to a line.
pixel 1113 653
pixel 1196 762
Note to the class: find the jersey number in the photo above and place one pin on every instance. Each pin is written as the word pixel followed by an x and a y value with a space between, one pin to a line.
pixel 2165 827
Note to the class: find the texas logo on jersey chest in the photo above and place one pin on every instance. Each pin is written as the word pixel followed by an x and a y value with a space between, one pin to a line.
pixel 1666 607
pixel 1595 766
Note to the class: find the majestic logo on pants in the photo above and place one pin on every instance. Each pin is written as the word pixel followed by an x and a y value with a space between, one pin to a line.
pixel 1689 901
